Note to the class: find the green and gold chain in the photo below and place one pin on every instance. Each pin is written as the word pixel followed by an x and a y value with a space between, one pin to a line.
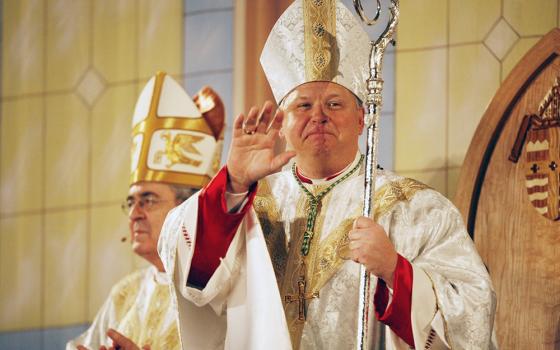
pixel 314 202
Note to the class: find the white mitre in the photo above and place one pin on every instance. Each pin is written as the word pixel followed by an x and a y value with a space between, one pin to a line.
pixel 176 139
pixel 316 40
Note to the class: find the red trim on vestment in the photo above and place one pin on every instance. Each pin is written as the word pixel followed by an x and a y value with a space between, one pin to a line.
pixel 215 228
pixel 306 180
pixel 335 175
pixel 303 178
pixel 398 315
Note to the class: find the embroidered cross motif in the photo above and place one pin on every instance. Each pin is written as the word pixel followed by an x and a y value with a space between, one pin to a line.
pixel 534 168
pixel 301 298
pixel 553 166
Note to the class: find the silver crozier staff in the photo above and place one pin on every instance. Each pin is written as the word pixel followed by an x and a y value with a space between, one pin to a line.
pixel 373 104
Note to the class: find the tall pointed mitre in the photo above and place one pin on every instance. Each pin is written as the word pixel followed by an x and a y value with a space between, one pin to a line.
pixel 175 139
pixel 316 40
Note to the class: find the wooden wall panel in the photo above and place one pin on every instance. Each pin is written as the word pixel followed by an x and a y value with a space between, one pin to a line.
pixel 520 247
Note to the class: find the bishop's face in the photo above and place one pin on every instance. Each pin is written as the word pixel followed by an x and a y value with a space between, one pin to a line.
pixel 322 119
pixel 149 204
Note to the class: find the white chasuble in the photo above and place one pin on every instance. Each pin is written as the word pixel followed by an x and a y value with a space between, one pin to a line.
pixel 140 308
pixel 252 300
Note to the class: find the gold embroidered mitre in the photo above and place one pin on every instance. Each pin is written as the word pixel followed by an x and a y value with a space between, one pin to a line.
pixel 316 40
pixel 175 139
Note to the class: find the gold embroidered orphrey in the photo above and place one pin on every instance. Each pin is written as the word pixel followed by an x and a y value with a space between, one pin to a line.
pixel 541 134
pixel 300 283
pixel 321 50
pixel 152 328
pixel 178 148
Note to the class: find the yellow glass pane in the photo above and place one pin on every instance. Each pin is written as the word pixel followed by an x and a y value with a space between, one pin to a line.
pixel 474 77
pixel 23 43
pixel 452 182
pixel 20 272
pixel 477 15
pixel 110 259
pixel 66 151
pixel 516 54
pixel 422 24
pixel 535 17
pixel 160 37
pixel 65 268
pixel 68 42
pixel 420 113
pixel 501 39
pixel 21 147
pixel 115 39
pixel 111 139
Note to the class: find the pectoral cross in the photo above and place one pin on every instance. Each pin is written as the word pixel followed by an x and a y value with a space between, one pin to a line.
pixel 301 298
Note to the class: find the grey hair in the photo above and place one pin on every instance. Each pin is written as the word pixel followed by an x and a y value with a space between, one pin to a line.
pixel 182 193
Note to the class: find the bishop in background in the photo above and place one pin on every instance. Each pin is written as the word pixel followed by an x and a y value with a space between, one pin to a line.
pixel 165 171
pixel 274 256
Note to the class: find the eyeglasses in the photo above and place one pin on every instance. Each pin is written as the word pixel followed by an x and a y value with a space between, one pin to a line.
pixel 145 203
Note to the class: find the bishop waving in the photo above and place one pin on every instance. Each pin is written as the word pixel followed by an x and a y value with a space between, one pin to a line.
pixel 276 240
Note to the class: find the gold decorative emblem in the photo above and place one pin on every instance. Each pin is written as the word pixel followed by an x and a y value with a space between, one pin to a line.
pixel 542 166
pixel 188 137
pixel 178 148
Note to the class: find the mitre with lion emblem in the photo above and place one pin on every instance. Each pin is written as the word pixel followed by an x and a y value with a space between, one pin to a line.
pixel 176 139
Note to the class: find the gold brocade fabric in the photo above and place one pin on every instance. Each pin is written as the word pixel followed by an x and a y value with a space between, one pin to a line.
pixel 138 307
pixel 321 51
pixel 273 227
pixel 326 256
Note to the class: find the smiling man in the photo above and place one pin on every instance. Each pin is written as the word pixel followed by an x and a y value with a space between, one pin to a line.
pixel 176 148
pixel 276 256
pixel 323 123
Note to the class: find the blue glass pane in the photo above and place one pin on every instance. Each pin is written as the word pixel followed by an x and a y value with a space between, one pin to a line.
pixel 21 340
pixel 56 338
pixel 208 42
pixel 204 5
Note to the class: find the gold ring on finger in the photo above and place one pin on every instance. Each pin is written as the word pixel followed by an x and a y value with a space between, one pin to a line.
pixel 248 132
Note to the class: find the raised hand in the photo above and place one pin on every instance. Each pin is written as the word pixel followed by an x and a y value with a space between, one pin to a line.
pixel 251 156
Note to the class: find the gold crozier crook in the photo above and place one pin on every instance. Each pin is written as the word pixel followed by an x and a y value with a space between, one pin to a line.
pixel 373 108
